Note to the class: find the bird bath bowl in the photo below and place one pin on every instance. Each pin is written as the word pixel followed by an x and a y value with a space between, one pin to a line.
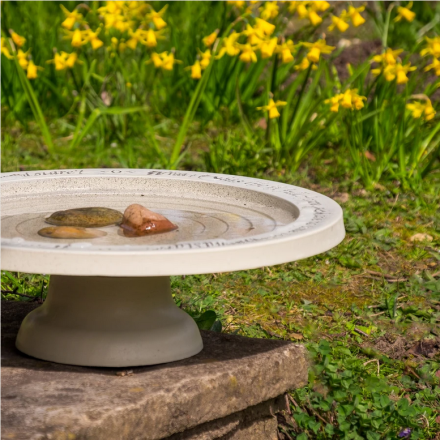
pixel 109 302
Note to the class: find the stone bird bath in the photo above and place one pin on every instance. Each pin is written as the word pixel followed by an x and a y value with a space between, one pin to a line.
pixel 109 302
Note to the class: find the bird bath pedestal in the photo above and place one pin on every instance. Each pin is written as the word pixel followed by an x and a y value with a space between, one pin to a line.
pixel 109 302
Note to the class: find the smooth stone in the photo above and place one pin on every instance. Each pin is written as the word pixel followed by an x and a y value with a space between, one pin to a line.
pixel 85 217
pixel 139 221
pixel 70 232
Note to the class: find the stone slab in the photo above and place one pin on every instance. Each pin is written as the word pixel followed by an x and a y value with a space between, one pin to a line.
pixel 234 378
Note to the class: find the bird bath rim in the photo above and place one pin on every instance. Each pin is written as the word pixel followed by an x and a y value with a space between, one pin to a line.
pixel 316 228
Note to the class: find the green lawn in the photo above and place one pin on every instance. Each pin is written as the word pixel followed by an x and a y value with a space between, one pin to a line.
pixel 368 310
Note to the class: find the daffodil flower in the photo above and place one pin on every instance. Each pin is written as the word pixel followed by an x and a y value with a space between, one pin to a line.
pixel 196 70
pixel 355 16
pixel 405 12
pixel 303 65
pixel 168 61
pixel 285 51
pixel 268 47
pixel 71 18
pixel 150 38
pixel 238 4
pixel 334 102
pixel 387 59
pixel 64 60
pixel 433 47
pixel 208 41
pixel 435 65
pixel 314 18
pixel 320 5
pixel 248 54
pixel 157 17
pixel 156 59
pixel 5 49
pixel 264 26
pixel 419 109
pixel 339 22
pixel 398 72
pixel 315 50
pixel 32 70
pixel 22 58
pixel 77 38
pixel 272 108
pixel 299 7
pixel 19 41
pixel 254 35
pixel 230 46
pixel 270 10
pixel 350 99
pixel 205 58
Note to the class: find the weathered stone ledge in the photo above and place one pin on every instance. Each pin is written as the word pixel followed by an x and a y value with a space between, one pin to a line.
pixel 228 391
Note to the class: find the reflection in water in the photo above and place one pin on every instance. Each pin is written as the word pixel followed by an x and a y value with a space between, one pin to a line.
pixel 70 232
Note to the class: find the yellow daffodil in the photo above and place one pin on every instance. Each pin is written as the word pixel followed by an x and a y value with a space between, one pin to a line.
pixel 230 46
pixel 254 35
pixel 93 39
pixel 157 17
pixel 435 65
pixel 419 109
pixel 156 59
pixel 5 48
pixel 270 10
pixel 19 41
pixel 315 50
pixel 71 18
pixel 77 38
pixel 339 22
pixel 387 59
pixel 208 41
pixel 305 64
pixel 205 58
pixel 264 26
pixel 238 4
pixel 248 54
pixel 405 12
pixel 299 7
pixel 268 47
pixel 168 61
pixel 150 38
pixel 334 102
pixel 320 5
pixel 314 18
pixel 32 70
pixel 163 60
pixel 59 60
pixel 196 70
pixel 22 58
pixel 64 60
pixel 355 16
pixel 398 72
pixel 433 47
pixel 134 39
pixel 350 99
pixel 272 108
pixel 285 51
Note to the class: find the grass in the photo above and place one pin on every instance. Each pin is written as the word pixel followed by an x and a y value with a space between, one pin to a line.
pixel 358 308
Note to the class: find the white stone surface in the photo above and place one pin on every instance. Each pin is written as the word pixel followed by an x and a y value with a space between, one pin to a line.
pixel 226 223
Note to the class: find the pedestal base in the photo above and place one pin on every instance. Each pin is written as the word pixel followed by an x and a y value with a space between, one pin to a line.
pixel 228 391
pixel 109 322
